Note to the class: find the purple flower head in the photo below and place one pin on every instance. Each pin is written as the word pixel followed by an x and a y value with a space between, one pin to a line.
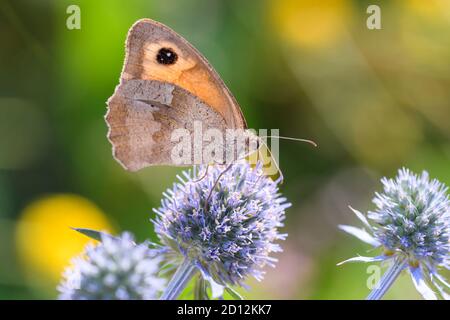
pixel 116 269
pixel 227 227
pixel 411 223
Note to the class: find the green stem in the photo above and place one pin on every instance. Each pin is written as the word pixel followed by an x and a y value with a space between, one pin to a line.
pixel 388 279
pixel 179 281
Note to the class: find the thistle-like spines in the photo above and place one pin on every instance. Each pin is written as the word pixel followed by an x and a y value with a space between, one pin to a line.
pixel 115 269
pixel 228 226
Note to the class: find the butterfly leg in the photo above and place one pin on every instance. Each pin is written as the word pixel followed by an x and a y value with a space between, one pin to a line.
pixel 214 186
pixel 203 176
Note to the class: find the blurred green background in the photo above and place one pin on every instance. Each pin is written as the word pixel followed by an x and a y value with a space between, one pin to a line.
pixel 374 100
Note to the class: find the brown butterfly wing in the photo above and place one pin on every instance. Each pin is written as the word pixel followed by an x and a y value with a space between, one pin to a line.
pixel 154 98
pixel 191 71
pixel 142 116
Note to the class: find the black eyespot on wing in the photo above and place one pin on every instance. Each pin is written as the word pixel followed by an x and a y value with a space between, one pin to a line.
pixel 166 56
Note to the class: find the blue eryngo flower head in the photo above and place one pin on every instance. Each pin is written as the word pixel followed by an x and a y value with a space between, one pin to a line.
pixel 411 223
pixel 226 222
pixel 116 269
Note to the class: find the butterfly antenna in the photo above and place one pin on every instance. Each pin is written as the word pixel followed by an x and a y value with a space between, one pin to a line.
pixel 292 139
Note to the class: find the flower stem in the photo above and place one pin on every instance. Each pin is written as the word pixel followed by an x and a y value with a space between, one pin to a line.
pixel 388 279
pixel 180 279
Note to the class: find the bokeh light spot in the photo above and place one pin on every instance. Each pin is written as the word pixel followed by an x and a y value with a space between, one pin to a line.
pixel 309 23
pixel 45 242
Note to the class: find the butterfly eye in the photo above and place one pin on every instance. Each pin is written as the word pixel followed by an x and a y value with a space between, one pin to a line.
pixel 166 56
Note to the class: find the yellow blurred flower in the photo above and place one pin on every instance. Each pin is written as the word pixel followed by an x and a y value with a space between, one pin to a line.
pixel 424 28
pixel 310 23
pixel 45 242
pixel 430 8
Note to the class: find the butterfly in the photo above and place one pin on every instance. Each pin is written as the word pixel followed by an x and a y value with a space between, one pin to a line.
pixel 168 89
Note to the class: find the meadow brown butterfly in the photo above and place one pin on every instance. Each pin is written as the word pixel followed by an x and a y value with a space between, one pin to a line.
pixel 165 85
